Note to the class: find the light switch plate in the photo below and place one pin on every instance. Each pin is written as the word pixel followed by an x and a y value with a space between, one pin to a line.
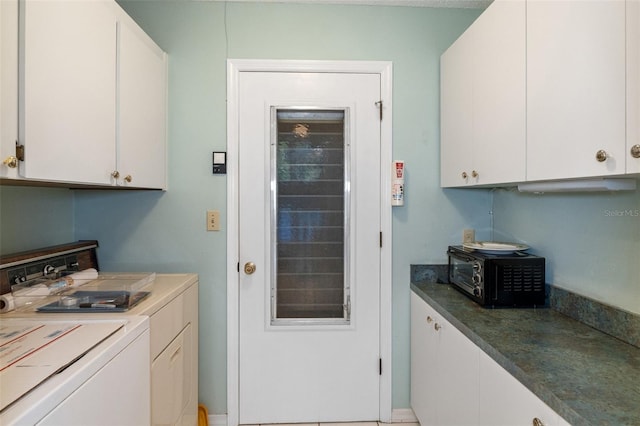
pixel 213 220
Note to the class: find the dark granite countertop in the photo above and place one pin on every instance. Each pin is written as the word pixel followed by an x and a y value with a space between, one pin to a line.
pixel 586 376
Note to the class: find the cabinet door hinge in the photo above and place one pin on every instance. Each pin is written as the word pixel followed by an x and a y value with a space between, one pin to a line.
pixel 380 239
pixel 238 266
pixel 379 105
pixel 19 152
pixel 380 366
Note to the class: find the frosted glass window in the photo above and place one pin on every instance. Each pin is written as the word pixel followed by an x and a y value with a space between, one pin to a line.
pixel 309 185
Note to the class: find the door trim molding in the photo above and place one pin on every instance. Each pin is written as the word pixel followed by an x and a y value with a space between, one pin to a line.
pixel 234 68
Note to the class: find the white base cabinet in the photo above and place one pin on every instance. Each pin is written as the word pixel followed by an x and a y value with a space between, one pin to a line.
pixel 453 382
pixel 444 370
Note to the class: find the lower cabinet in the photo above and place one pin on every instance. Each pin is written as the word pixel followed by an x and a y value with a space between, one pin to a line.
pixel 453 382
pixel 444 370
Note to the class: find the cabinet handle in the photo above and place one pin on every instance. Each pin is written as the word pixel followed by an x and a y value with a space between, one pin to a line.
pixel 601 155
pixel 537 422
pixel 474 174
pixel 437 326
pixel 429 320
pixel 464 175
pixel 11 162
pixel 115 174
pixel 635 151
pixel 128 178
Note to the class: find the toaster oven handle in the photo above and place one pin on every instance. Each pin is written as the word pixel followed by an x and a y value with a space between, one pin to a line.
pixel 459 255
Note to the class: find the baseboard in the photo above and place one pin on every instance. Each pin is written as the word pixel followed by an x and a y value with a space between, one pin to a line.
pixel 398 415
pixel 403 415
pixel 218 419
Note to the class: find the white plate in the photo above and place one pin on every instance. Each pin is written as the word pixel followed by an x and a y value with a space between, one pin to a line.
pixel 494 247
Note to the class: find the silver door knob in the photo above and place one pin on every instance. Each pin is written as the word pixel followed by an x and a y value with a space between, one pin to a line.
pixel 249 268
pixel 635 151
pixel 601 155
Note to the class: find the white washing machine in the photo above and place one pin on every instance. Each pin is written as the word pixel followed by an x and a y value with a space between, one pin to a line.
pixel 60 372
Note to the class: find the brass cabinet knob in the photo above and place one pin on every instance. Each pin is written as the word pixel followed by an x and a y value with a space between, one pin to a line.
pixel 429 319
pixel 249 268
pixel 115 174
pixel 601 155
pixel 537 422
pixel 437 326
pixel 474 174
pixel 464 175
pixel 128 178
pixel 11 162
pixel 635 151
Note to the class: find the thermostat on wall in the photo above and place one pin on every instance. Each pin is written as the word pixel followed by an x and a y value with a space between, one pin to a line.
pixel 219 163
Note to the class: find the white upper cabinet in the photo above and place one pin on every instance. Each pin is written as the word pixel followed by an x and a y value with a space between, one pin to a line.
pixel 8 88
pixel 575 88
pixel 483 100
pixel 92 96
pixel 68 105
pixel 633 86
pixel 456 114
pixel 499 117
pixel 142 109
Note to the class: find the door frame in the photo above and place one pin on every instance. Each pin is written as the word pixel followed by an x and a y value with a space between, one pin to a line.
pixel 234 68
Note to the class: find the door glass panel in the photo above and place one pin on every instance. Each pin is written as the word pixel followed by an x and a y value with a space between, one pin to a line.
pixel 309 223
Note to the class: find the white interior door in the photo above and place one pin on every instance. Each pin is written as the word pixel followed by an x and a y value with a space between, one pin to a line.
pixel 309 220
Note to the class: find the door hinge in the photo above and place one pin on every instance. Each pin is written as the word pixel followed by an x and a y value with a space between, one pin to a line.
pixel 379 105
pixel 238 266
pixel 19 152
pixel 380 239
pixel 380 366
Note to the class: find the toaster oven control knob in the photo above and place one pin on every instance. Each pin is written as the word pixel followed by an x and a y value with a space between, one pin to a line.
pixel 48 269
pixel 477 291
pixel 477 267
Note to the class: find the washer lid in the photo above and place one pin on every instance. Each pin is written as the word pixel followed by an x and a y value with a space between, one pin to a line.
pixel 33 351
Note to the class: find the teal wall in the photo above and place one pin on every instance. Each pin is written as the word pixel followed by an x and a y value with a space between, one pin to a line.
pixel 34 217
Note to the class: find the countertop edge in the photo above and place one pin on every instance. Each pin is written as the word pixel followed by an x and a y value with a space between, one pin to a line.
pixel 542 392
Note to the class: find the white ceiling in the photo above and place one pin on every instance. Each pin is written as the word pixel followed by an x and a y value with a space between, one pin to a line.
pixel 473 4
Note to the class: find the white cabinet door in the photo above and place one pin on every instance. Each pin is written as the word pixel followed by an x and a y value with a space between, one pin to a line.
pixel 633 86
pixel 456 114
pixel 505 401
pixel 68 101
pixel 423 362
pixel 575 88
pixel 142 110
pixel 499 94
pixel 483 100
pixel 8 86
pixel 444 369
pixel 457 369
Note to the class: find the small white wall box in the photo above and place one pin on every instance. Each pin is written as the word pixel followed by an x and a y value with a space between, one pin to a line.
pixel 219 163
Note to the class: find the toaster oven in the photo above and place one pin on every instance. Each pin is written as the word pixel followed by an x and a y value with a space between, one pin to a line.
pixel 509 280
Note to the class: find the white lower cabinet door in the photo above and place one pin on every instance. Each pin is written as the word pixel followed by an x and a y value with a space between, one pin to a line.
pixel 506 401
pixel 444 370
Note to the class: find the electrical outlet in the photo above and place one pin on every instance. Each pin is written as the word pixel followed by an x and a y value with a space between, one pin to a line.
pixel 213 220
pixel 468 236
